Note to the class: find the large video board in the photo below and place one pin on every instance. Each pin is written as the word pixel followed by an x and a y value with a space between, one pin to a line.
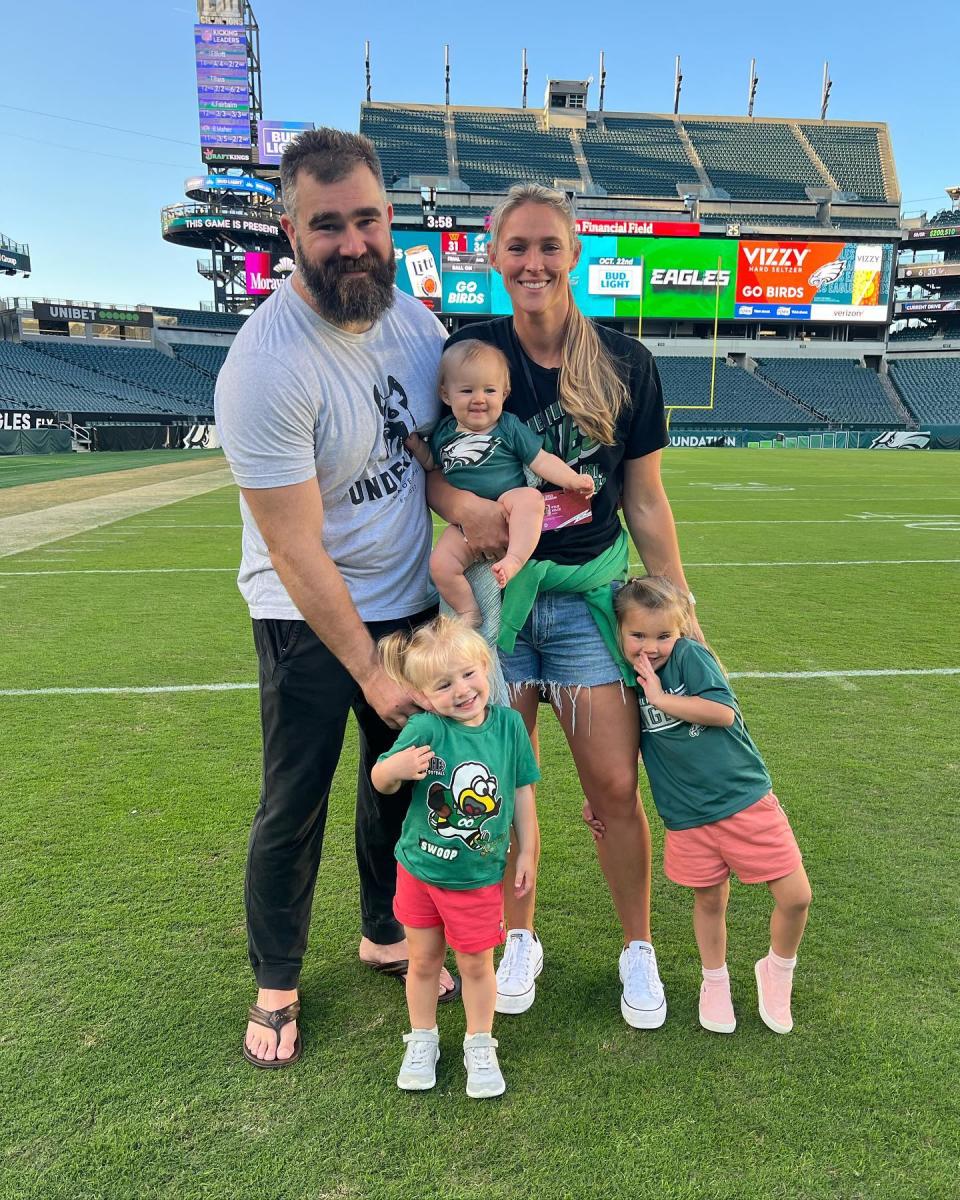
pixel 223 95
pixel 679 278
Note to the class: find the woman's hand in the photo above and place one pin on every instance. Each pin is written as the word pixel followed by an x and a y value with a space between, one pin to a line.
pixel 648 679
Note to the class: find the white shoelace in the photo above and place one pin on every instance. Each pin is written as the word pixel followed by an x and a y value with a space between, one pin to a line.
pixel 419 1050
pixel 641 961
pixel 516 956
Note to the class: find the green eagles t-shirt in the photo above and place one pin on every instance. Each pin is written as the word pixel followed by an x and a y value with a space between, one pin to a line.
pixel 457 829
pixel 487 464
pixel 698 773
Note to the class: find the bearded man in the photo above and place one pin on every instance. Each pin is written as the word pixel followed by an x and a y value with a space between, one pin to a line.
pixel 319 390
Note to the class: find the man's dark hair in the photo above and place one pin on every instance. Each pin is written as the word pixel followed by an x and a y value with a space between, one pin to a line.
pixel 327 155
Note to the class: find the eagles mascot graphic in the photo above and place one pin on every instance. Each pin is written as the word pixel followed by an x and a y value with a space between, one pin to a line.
pixel 459 811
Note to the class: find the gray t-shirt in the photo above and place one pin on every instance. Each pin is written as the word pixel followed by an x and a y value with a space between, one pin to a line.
pixel 298 397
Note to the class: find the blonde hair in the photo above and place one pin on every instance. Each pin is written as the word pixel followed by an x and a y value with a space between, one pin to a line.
pixel 592 390
pixel 419 658
pixel 468 350
pixel 658 594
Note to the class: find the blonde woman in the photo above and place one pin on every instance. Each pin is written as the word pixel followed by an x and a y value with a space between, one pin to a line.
pixel 594 396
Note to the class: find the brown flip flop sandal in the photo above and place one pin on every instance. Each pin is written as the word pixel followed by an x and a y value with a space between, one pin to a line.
pixel 398 970
pixel 275 1020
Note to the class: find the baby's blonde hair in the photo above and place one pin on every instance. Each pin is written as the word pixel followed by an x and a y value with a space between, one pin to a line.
pixel 468 350
pixel 419 658
pixel 658 594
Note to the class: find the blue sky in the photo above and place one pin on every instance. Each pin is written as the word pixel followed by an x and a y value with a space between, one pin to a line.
pixel 91 215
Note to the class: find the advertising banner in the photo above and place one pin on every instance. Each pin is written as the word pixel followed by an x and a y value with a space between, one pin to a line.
pixel 933 233
pixel 246 184
pixel 907 307
pixel 223 95
pixel 813 281
pixel 929 271
pixel 273 137
pixel 234 227
pixel 104 316
pixel 465 273
pixel 419 257
pixel 265 270
pixel 26 420
pixel 13 260
pixel 628 228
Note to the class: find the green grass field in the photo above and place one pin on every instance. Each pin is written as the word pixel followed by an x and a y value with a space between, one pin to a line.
pixel 18 469
pixel 121 918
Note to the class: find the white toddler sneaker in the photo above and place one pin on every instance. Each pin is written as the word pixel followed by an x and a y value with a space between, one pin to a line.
pixel 418 1071
pixel 484 1077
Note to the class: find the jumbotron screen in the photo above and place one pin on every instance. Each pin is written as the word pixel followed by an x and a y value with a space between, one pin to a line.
pixel 664 277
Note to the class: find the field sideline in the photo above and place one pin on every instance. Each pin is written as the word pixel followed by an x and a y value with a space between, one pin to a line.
pixel 826 580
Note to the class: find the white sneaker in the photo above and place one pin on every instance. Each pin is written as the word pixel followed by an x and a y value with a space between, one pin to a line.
pixel 484 1077
pixel 418 1071
pixel 643 1003
pixel 522 962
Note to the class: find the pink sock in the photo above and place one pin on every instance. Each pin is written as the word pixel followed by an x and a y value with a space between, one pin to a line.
pixel 715 975
pixel 781 966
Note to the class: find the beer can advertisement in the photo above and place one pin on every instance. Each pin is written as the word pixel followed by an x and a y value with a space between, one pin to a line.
pixel 813 281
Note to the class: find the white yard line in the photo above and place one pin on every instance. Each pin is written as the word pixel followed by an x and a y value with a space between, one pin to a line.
pixel 844 562
pixel 246 687
pixel 127 570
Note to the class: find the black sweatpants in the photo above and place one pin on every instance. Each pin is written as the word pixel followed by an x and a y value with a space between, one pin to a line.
pixel 305 696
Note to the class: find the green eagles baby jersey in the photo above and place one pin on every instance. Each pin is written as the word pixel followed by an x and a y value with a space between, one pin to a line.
pixel 698 773
pixel 487 464
pixel 457 829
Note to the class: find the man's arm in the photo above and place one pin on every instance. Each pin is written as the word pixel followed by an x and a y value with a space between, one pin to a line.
pixel 290 519
pixel 482 521
pixel 649 519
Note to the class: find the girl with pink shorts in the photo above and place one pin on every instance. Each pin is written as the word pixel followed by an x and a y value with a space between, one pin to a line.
pixel 713 792
pixel 473 768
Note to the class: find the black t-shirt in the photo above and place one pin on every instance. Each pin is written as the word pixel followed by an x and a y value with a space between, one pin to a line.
pixel 641 429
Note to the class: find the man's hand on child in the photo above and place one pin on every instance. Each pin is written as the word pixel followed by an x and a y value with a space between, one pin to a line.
pixel 411 763
pixel 526 874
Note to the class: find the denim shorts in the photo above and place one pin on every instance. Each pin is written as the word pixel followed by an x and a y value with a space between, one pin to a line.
pixel 560 644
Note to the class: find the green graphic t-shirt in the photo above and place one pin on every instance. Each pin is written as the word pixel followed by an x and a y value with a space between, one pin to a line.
pixel 698 773
pixel 487 464
pixel 457 829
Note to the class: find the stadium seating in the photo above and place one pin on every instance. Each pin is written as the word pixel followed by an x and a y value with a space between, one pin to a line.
pixel 35 380
pixel 643 156
pixel 851 153
pixel 754 161
pixel 409 141
pixel 207 359
pixel 930 388
pixel 142 366
pixel 840 389
pixel 739 397
pixel 189 318
pixel 496 150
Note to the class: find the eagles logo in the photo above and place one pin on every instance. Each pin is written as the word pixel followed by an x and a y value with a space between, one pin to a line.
pixel 467 450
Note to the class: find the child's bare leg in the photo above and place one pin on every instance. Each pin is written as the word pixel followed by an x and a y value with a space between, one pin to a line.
pixel 524 509
pixel 710 923
pixel 450 558
pixel 791 896
pixel 479 990
pixel 426 950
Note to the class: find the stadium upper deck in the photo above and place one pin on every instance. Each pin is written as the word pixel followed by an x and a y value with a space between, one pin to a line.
pixel 758 170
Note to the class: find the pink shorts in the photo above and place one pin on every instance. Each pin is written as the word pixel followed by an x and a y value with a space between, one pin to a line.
pixel 472 920
pixel 757 844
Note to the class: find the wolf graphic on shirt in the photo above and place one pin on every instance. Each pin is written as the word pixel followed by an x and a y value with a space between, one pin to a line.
pixel 398 422
pixel 460 810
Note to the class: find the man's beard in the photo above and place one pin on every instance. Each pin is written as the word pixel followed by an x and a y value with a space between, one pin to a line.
pixel 342 298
